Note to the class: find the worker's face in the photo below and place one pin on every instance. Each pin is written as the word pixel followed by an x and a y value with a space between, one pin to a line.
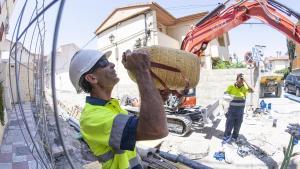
pixel 240 80
pixel 105 74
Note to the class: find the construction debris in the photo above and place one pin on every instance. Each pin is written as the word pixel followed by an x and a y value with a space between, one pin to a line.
pixel 294 130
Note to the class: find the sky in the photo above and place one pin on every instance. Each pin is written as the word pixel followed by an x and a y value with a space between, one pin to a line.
pixel 81 18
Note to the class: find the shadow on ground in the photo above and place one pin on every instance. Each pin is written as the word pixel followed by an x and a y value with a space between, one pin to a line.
pixel 259 153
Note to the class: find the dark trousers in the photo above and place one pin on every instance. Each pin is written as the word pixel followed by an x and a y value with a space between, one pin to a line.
pixel 234 121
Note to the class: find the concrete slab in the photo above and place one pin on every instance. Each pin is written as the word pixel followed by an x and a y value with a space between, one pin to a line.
pixel 193 149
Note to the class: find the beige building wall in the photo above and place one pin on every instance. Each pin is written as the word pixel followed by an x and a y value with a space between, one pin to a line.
pixel 25 81
pixel 279 64
pixel 213 50
pixel 296 62
pixel 7 7
pixel 209 89
pixel 167 41
pixel 26 65
pixel 5 83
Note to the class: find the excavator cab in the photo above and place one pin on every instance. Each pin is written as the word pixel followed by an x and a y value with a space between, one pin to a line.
pixel 188 100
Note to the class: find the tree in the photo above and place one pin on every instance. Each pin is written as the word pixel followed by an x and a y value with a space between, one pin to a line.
pixel 291 51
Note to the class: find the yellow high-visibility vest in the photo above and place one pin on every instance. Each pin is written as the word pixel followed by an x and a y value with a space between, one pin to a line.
pixel 237 92
pixel 102 127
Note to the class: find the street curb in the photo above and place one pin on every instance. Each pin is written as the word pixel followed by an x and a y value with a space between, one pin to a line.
pixel 292 97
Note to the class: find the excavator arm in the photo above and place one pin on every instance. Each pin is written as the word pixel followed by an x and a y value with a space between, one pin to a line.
pixel 223 19
pixel 213 25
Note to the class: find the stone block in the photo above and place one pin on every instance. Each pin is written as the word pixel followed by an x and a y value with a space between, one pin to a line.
pixel 57 151
pixel 5 157
pixel 6 148
pixel 6 165
pixel 20 165
pixel 32 164
pixel 16 158
pixel 24 150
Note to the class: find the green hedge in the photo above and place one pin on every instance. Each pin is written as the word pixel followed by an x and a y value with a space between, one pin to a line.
pixel 284 71
pixel 220 64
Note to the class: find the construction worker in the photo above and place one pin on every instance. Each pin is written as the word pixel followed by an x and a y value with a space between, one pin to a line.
pixel 108 129
pixel 238 92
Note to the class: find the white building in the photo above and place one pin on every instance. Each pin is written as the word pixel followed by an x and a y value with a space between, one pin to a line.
pixel 6 8
pixel 149 24
pixel 277 63
pixel 63 57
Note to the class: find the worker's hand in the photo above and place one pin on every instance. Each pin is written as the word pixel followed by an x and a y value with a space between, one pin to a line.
pixel 250 88
pixel 136 61
pixel 135 102
pixel 165 94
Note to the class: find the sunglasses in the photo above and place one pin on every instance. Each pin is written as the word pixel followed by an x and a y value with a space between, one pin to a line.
pixel 102 63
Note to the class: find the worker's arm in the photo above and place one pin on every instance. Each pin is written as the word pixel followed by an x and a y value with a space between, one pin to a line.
pixel 152 122
pixel 250 88
pixel 227 94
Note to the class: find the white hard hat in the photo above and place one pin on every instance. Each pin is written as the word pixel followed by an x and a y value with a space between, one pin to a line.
pixel 82 62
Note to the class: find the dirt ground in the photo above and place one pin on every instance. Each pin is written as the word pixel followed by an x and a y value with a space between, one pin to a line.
pixel 257 131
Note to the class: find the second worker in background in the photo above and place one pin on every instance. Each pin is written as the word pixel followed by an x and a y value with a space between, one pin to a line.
pixel 238 91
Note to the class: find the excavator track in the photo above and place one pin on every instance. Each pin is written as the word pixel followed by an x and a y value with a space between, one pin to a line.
pixel 179 125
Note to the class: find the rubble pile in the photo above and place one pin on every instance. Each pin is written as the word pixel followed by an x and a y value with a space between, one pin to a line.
pixel 77 149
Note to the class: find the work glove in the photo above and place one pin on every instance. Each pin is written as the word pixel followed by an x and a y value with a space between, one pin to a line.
pixel 294 130
pixel 227 97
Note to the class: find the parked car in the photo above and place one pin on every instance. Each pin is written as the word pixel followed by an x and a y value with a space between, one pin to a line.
pixel 292 84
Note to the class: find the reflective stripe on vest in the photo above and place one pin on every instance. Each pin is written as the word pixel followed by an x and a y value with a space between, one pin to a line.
pixel 238 102
pixel 111 119
pixel 134 162
pixel 108 156
pixel 117 130
pixel 105 157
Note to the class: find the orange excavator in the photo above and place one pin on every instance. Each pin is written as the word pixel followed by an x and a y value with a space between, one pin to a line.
pixel 222 19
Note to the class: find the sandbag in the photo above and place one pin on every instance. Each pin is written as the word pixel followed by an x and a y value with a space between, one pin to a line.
pixel 172 68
